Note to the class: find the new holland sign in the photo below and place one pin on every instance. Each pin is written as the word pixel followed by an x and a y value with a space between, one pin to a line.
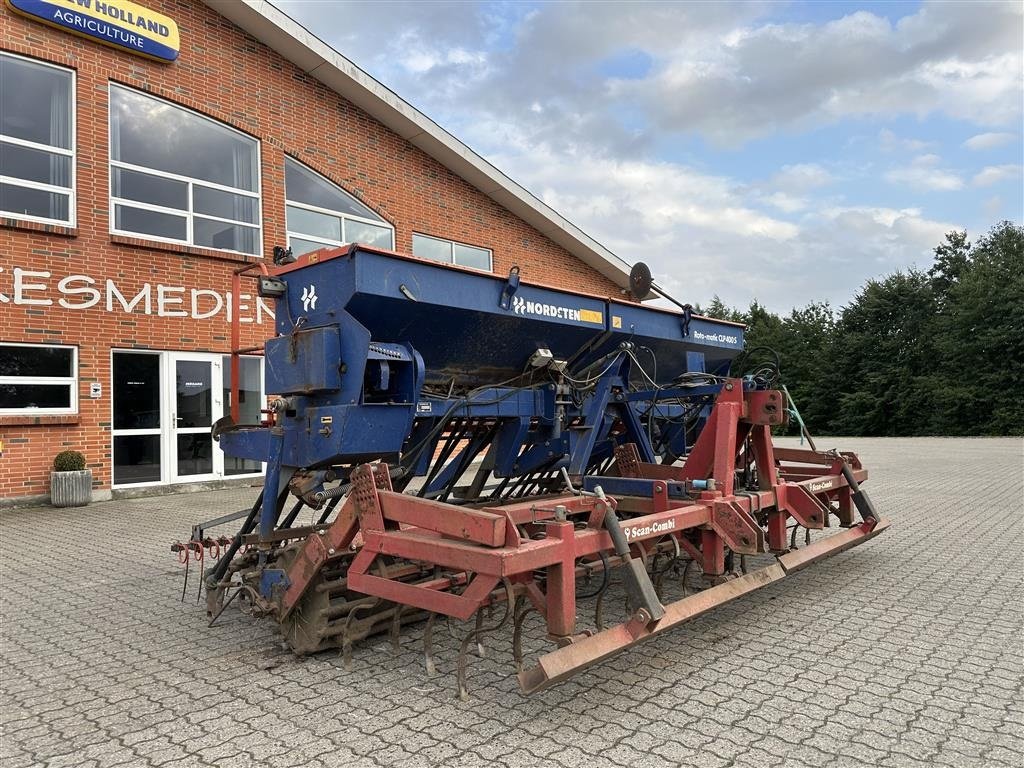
pixel 117 23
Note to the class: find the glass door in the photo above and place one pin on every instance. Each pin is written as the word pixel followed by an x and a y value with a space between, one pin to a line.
pixel 195 405
pixel 138 452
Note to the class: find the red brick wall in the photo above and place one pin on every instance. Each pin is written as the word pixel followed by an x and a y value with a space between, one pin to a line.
pixel 224 73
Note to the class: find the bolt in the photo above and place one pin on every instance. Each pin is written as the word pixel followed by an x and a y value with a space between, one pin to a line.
pixel 330 551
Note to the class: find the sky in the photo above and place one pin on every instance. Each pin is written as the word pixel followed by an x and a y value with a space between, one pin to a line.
pixel 783 152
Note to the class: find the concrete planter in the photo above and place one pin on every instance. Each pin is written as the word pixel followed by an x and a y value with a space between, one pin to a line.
pixel 71 489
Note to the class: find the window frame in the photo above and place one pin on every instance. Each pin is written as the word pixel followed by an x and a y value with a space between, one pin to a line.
pixel 327 242
pixel 72 220
pixel 451 247
pixel 187 214
pixel 70 381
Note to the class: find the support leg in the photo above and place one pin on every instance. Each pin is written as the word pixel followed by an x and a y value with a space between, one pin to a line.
pixel 713 551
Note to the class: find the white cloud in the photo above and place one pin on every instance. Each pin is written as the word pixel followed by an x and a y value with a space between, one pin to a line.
pixel 947 58
pixel 718 70
pixel 993 174
pixel 704 234
pixel 801 177
pixel 786 203
pixel 890 142
pixel 984 141
pixel 924 174
pixel 530 88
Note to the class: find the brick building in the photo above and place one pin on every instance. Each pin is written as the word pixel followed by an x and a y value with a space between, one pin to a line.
pixel 148 151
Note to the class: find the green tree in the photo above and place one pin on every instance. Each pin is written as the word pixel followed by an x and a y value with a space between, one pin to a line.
pixel 914 353
pixel 879 359
pixel 980 338
pixel 952 258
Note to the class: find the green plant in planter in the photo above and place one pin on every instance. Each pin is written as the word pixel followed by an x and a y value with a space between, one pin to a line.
pixel 70 481
pixel 68 461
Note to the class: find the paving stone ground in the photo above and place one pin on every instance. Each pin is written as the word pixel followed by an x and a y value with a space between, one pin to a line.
pixel 906 651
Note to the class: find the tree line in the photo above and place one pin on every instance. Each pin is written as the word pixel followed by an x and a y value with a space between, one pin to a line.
pixel 917 352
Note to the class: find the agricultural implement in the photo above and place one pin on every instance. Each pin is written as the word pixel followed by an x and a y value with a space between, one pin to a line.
pixel 466 446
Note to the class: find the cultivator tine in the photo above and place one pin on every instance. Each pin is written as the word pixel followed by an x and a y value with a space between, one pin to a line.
pixel 396 628
pixel 349 636
pixel 599 610
pixel 428 637
pixel 522 610
pixel 477 634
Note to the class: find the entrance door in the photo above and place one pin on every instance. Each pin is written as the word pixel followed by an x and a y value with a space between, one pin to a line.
pixel 164 404
pixel 197 403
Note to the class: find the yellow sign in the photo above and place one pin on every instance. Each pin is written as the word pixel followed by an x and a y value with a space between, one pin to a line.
pixel 117 23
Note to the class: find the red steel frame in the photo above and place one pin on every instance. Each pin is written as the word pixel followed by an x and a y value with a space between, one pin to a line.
pixel 484 556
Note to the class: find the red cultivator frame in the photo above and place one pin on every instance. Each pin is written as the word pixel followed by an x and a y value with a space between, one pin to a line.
pixel 417 555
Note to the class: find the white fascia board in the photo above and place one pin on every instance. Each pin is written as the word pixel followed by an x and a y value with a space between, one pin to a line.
pixel 281 33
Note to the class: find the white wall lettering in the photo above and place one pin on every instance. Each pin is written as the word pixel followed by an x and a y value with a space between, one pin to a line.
pixel 29 288
pixel 21 285
pixel 218 303
pixel 164 299
pixel 113 291
pixel 65 288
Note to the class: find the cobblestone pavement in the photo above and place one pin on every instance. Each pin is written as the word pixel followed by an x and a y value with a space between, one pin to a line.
pixel 906 651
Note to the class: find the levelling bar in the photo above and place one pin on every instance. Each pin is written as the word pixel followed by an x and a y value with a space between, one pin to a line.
pixel 576 656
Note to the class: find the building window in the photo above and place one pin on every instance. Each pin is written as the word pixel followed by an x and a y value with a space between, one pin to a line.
pixel 451 252
pixel 181 177
pixel 37 380
pixel 322 214
pixel 37 141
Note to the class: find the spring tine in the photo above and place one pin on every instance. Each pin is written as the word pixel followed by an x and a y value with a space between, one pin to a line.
pixel 346 634
pixel 599 611
pixel 396 626
pixel 807 536
pixel 479 633
pixel 463 693
pixel 659 580
pixel 510 599
pixel 346 650
pixel 522 611
pixel 428 636
pixel 184 586
pixel 792 538
pixel 686 574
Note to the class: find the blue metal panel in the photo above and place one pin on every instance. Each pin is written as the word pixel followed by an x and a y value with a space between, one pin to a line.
pixel 672 340
pixel 304 361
